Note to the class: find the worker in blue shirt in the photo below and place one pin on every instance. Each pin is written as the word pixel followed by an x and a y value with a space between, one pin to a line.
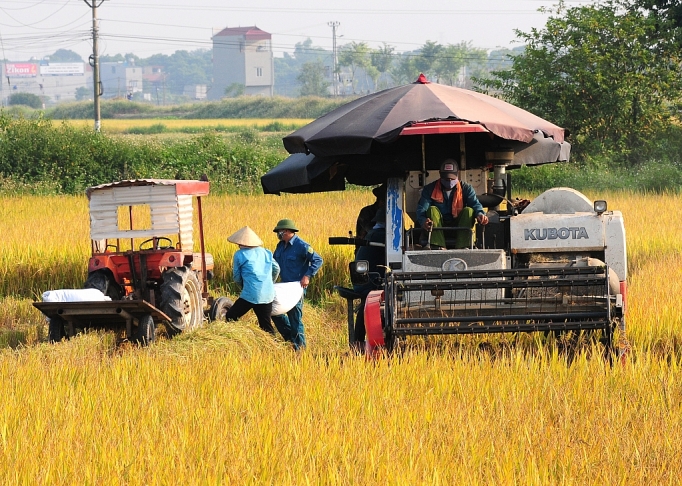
pixel 255 271
pixel 298 262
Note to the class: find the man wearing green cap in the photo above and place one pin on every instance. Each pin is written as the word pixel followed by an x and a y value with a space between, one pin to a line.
pixel 298 262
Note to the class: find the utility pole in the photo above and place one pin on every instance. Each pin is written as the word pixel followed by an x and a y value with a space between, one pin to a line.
pixel 94 60
pixel 334 25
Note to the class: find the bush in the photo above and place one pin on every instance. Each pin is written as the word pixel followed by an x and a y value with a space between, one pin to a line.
pixel 38 153
pixel 26 99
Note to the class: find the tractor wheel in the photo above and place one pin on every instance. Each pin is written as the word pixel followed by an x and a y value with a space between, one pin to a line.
pixel 55 330
pixel 181 300
pixel 146 331
pixel 103 280
pixel 219 308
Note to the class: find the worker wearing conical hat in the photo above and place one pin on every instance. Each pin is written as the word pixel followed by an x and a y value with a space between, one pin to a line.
pixel 255 270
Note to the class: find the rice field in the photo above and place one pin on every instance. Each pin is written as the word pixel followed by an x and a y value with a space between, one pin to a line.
pixel 125 125
pixel 227 404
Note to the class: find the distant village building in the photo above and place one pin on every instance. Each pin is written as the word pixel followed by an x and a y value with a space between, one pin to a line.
pixel 54 82
pixel 154 84
pixel 120 79
pixel 242 59
pixel 195 91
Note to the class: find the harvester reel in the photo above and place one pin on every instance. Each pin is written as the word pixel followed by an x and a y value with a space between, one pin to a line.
pixel 181 300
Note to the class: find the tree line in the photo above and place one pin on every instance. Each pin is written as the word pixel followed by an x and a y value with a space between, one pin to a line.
pixel 609 73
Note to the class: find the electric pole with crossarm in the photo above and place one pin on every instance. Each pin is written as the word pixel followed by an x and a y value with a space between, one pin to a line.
pixel 94 60
pixel 334 25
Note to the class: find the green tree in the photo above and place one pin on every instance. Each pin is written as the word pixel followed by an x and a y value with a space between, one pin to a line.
pixel 288 67
pixel 183 68
pixel 129 57
pixel 26 99
pixel 428 57
pixel 83 93
pixel 235 90
pixel 312 80
pixel 381 60
pixel 354 56
pixel 667 16
pixel 593 70
pixel 404 70
pixel 65 55
pixel 501 59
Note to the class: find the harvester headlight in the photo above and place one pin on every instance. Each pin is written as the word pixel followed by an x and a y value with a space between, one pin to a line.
pixel 362 266
pixel 599 206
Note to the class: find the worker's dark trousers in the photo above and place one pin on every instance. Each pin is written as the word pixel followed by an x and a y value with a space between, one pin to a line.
pixel 290 325
pixel 263 311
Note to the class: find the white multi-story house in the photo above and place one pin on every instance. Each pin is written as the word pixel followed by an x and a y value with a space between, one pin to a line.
pixel 120 79
pixel 242 60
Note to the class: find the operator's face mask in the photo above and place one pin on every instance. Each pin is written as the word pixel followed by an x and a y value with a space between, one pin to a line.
pixel 280 235
pixel 448 183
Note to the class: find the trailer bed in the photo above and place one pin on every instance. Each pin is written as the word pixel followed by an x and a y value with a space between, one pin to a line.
pixel 102 315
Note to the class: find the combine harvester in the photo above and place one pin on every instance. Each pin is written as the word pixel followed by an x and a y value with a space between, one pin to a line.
pixel 556 264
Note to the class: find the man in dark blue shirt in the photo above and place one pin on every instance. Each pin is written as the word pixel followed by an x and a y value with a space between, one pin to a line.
pixel 298 262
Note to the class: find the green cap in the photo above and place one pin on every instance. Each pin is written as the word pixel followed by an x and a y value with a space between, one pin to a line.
pixel 285 224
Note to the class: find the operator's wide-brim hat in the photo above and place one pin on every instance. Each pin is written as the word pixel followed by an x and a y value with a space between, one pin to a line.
pixel 285 224
pixel 245 237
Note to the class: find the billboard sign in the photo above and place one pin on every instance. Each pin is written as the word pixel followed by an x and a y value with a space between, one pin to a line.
pixel 21 70
pixel 62 69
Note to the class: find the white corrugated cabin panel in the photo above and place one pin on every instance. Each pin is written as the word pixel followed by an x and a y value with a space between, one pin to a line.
pixel 162 201
pixel 186 215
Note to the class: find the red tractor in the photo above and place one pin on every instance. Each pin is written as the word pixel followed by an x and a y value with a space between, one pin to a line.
pixel 143 259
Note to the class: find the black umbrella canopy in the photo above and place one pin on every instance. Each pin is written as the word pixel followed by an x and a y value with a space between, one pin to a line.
pixel 303 173
pixel 369 124
pixel 411 127
pixel 306 173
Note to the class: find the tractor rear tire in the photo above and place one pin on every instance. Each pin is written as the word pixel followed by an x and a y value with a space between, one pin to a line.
pixel 145 333
pixel 219 308
pixel 56 329
pixel 103 280
pixel 181 300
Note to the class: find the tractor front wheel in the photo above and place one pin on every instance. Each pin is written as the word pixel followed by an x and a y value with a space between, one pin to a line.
pixel 181 300
pixel 219 309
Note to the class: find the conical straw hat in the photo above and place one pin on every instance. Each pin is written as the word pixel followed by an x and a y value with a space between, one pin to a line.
pixel 246 237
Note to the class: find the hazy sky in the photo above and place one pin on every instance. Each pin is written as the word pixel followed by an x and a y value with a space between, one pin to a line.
pixel 37 28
